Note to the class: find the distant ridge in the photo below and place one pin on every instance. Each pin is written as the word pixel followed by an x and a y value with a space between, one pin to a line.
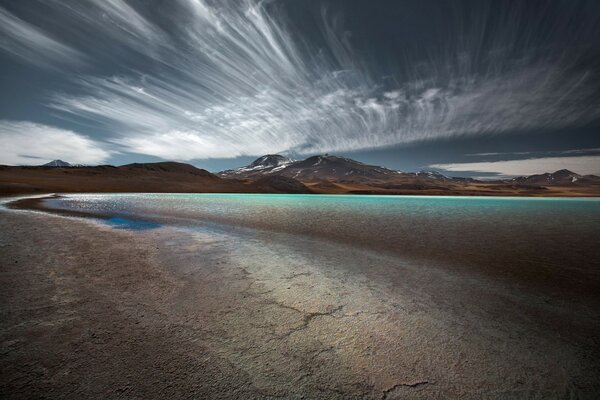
pixel 560 177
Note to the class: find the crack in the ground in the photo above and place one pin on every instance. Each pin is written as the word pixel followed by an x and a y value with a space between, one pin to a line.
pixel 390 392
pixel 310 316
pixel 357 313
pixel 307 317
pixel 296 275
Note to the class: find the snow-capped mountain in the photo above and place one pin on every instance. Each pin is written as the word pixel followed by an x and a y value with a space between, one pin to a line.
pixel 262 166
pixel 57 163
pixel 333 168
pixel 316 168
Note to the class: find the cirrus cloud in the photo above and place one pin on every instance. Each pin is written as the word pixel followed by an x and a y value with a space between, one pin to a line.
pixel 32 45
pixel 218 79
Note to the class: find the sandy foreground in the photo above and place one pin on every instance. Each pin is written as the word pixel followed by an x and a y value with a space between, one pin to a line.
pixel 89 311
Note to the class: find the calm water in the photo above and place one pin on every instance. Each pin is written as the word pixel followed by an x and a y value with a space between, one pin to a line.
pixel 552 243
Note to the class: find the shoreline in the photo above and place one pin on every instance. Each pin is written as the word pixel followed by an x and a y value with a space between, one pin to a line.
pixel 407 193
pixel 494 260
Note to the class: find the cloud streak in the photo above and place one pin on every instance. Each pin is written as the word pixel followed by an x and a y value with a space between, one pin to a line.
pixel 231 79
pixel 584 165
pixel 23 141
pixel 32 45
pixel 593 150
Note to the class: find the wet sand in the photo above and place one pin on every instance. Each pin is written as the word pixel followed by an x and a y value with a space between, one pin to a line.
pixel 93 311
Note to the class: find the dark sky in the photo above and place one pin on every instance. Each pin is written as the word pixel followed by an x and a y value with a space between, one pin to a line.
pixel 476 88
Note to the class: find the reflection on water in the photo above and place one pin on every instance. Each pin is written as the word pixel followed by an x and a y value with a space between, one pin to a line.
pixel 136 225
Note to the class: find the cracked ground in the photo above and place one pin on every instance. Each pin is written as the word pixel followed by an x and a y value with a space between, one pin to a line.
pixel 89 311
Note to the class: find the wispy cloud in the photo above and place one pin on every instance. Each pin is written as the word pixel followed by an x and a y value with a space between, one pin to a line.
pixel 23 141
pixel 582 165
pixel 229 78
pixel 113 28
pixel 32 45
pixel 593 150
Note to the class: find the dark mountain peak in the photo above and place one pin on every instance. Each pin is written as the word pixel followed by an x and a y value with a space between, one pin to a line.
pixel 57 163
pixel 270 160
pixel 564 173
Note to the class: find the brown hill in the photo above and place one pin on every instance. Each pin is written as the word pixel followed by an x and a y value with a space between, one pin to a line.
pixel 163 177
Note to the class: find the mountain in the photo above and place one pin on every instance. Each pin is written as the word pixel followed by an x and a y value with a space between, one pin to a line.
pixel 266 164
pixel 161 177
pixel 57 163
pixel 316 168
pixel 563 177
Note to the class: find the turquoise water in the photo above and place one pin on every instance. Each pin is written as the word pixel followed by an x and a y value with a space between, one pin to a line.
pixel 392 222
pixel 337 208
pixel 367 218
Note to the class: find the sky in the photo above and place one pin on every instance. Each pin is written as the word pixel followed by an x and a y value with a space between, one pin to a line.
pixel 470 88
